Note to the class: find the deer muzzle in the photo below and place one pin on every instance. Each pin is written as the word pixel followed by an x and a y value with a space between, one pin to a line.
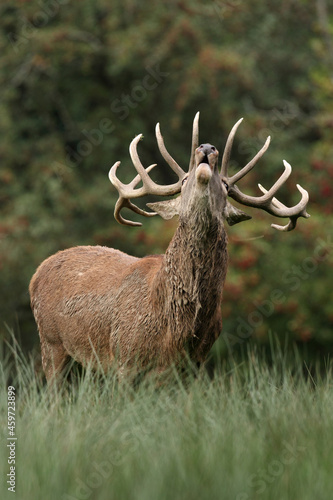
pixel 206 157
pixel 203 173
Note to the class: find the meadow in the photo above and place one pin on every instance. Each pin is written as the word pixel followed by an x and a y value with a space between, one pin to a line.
pixel 79 80
pixel 259 428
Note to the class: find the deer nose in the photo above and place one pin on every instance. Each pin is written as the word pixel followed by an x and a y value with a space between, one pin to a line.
pixel 207 149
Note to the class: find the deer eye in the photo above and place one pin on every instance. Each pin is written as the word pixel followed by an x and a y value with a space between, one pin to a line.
pixel 184 180
pixel 225 185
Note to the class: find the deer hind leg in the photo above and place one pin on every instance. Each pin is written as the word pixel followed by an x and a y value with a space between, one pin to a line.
pixel 54 361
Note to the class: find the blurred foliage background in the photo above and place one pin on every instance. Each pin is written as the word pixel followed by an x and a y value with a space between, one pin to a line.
pixel 80 79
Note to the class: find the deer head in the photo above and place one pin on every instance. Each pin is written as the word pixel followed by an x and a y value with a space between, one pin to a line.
pixel 203 174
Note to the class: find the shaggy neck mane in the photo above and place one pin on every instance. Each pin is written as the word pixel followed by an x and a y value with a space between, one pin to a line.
pixel 188 288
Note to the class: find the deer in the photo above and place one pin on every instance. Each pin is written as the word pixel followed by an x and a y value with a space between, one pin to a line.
pixel 98 305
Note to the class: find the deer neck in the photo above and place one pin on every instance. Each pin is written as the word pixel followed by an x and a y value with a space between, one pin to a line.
pixel 188 287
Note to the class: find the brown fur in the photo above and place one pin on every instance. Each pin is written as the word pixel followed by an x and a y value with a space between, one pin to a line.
pixel 100 305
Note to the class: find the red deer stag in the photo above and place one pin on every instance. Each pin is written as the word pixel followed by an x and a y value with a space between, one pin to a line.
pixel 96 304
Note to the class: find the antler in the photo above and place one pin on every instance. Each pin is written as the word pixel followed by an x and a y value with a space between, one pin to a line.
pixel 195 141
pixel 127 191
pixel 267 201
pixel 124 202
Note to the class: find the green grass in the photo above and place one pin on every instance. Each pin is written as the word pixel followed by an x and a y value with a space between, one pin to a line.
pixel 257 430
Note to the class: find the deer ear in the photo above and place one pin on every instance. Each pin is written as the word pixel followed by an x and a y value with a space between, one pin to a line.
pixel 233 215
pixel 166 209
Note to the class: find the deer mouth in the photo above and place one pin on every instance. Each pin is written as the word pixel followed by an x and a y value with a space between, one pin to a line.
pixel 205 159
pixel 206 154
pixel 202 159
pixel 205 163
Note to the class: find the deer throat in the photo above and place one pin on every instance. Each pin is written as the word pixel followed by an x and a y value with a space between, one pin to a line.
pixel 192 277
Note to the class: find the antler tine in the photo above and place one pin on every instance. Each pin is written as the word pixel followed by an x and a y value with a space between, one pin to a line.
pixel 280 210
pixel 125 203
pixel 127 191
pixel 227 149
pixel 195 141
pixel 265 199
pixel 272 205
pixel 149 186
pixel 166 155
pixel 239 175
pixel 138 165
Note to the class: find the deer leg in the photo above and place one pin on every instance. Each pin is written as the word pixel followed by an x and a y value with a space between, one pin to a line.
pixel 54 360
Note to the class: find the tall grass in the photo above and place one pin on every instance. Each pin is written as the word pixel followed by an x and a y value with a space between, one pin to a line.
pixel 257 430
